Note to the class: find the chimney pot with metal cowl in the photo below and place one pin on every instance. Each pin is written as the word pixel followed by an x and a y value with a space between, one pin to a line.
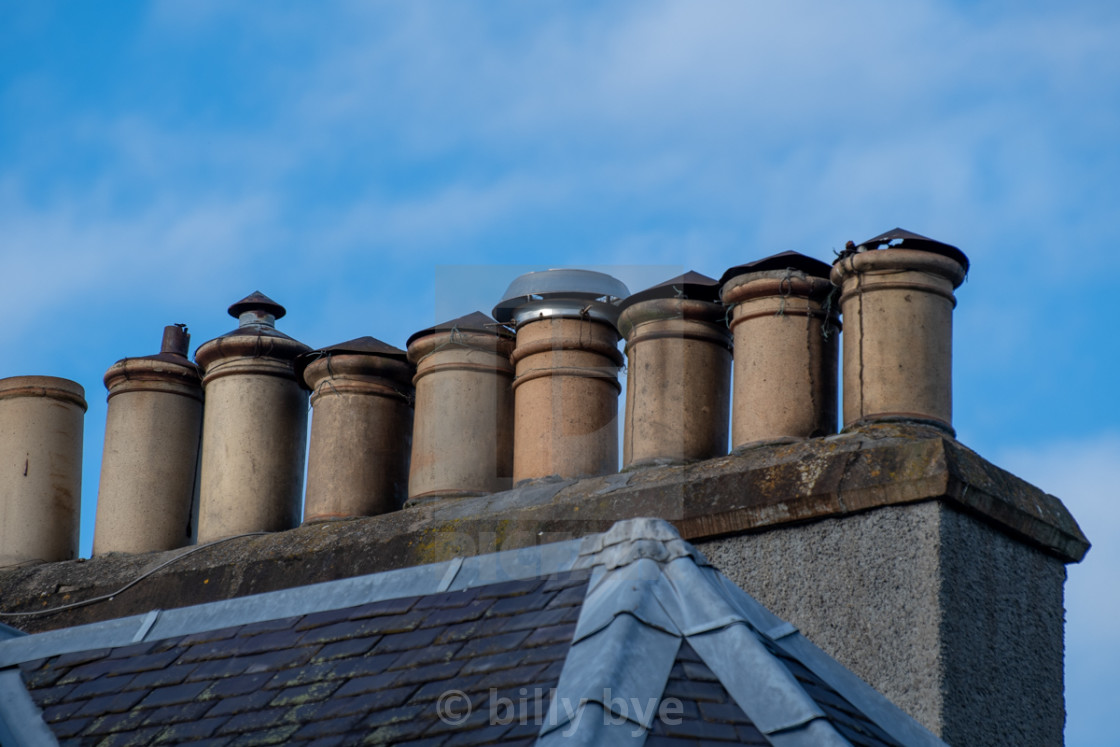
pixel 254 429
pixel 785 328
pixel 150 460
pixel 678 353
pixel 462 439
pixel 40 468
pixel 566 361
pixel 361 429
pixel 896 295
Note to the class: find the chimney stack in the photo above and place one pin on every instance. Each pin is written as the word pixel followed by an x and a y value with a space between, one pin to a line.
pixel 785 332
pixel 254 426
pixel 361 429
pixel 462 441
pixel 40 468
pixel 678 380
pixel 150 459
pixel 566 362
pixel 897 300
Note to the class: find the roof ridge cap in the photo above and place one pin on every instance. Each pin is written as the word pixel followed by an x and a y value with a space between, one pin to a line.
pixel 631 540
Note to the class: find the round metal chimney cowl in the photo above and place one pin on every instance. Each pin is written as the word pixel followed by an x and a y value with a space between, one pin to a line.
pixel 561 293
pixel 257 308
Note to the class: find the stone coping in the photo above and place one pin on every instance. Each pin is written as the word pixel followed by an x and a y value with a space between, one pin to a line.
pixel 760 487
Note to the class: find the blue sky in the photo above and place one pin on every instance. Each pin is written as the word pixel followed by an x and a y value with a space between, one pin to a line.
pixel 161 160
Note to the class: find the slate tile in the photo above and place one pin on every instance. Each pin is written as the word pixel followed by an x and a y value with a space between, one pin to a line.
pixel 430 673
pixel 433 690
pixel 384 716
pixel 393 733
pixel 397 606
pixel 406 641
pixel 342 631
pixel 550 635
pixel 99 686
pixel 370 684
pixel 231 686
pixel 324 618
pixel 728 713
pixel 189 731
pixel 364 665
pixel 475 610
pixel 47 696
pixel 248 645
pixel 77 658
pixel 463 631
pixel 426 655
pixel 143 736
pixel 327 727
pixel 253 720
pixel 447 600
pixel 519 604
pixel 567 580
pixel 341 740
pixel 572 596
pixel 546 653
pixel 387 624
pixel 504 642
pixel 272 661
pixel 510 588
pixel 173 694
pixel 491 663
pixel 537 619
pixel 345 648
pixel 748 734
pixel 172 675
pixel 114 722
pixel 364 703
pixel 145 662
pixel 40 674
pixel 711 692
pixel 166 644
pixel 114 703
pixel 699 672
pixel 209 636
pixel 245 703
pixel 60 711
pixel 699 729
pixel 70 727
pixel 274 735
pixel 269 626
pixel 513 677
pixel 316 691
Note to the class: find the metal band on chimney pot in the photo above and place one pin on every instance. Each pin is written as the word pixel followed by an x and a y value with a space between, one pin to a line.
pixel 566 361
pixel 785 348
pixel 678 352
pixel 361 429
pixel 40 468
pixel 897 300
pixel 254 428
pixel 150 460
pixel 462 438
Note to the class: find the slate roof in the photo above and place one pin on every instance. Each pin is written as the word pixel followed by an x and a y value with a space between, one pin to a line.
pixel 627 637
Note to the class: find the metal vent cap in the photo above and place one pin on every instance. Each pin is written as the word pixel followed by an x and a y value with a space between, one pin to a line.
pixel 561 293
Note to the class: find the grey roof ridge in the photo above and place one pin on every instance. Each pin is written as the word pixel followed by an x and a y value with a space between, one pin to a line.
pixel 450 575
pixel 645 575
pixel 21 721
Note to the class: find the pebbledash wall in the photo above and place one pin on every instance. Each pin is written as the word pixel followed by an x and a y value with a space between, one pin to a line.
pixel 928 571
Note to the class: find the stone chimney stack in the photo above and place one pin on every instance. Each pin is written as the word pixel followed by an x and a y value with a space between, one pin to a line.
pixel 361 431
pixel 566 360
pixel 254 428
pixel 897 300
pixel 150 459
pixel 462 440
pixel 678 381
pixel 40 468
pixel 786 334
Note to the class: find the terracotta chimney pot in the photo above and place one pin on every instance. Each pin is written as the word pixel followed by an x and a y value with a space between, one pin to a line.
pixel 462 440
pixel 149 464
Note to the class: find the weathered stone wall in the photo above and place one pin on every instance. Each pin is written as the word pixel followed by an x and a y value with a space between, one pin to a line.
pixel 952 620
